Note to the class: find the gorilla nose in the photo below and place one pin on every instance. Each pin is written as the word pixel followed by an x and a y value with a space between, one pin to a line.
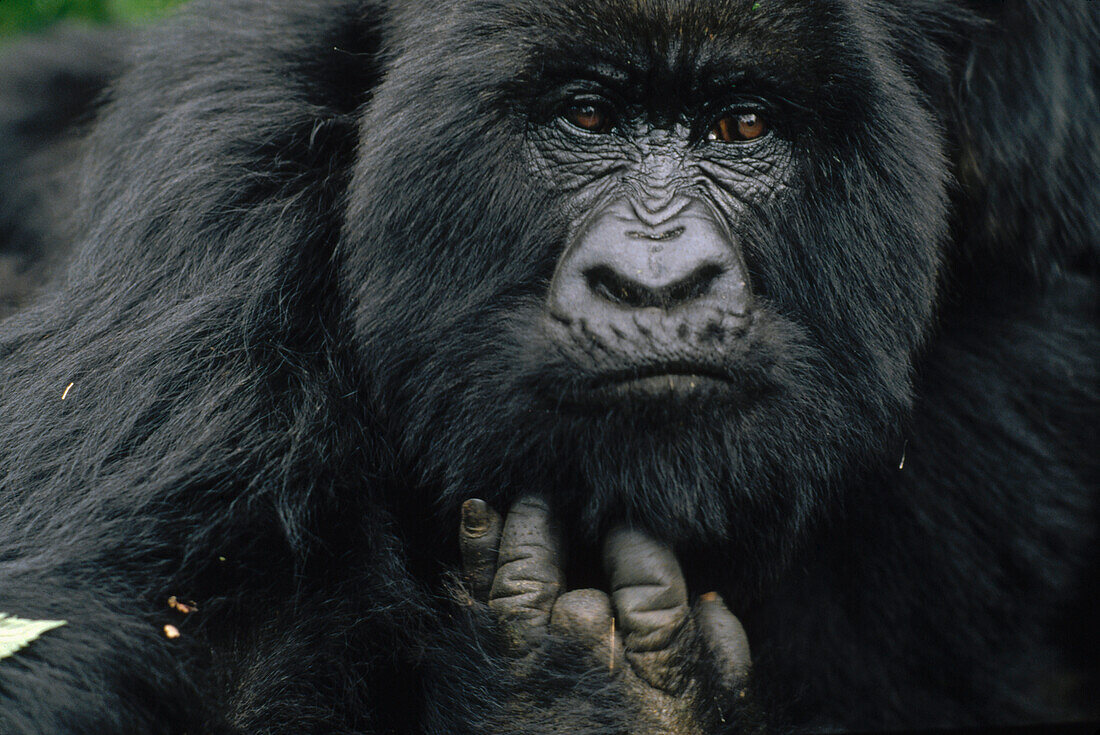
pixel 619 263
pixel 660 292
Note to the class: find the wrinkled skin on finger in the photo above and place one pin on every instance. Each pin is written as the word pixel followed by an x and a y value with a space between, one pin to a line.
pixel 682 665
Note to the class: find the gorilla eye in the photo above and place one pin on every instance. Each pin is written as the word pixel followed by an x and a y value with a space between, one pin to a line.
pixel 589 116
pixel 738 128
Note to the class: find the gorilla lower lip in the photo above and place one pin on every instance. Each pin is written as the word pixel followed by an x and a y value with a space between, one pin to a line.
pixel 673 383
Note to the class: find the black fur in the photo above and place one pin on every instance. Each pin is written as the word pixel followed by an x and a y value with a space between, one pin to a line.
pixel 48 93
pixel 298 332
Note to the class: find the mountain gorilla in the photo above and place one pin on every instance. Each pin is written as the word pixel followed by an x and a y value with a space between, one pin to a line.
pixel 468 368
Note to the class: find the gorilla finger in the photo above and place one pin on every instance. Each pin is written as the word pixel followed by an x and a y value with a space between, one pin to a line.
pixel 478 538
pixel 529 577
pixel 585 615
pixel 647 589
pixel 725 639
pixel 651 606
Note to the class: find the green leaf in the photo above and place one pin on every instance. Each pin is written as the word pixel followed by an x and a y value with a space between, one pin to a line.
pixel 16 633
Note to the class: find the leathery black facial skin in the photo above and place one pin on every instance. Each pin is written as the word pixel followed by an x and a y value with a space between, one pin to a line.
pixel 552 367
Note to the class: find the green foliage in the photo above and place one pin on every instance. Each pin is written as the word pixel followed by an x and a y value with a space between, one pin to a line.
pixel 16 633
pixel 19 16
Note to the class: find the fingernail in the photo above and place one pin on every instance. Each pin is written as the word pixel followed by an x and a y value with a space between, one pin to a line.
pixel 475 517
pixel 709 597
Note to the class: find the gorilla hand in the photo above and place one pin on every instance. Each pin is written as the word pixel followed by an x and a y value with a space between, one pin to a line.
pixel 682 668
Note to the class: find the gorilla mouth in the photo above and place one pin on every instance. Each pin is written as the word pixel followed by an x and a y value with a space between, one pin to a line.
pixel 669 386
pixel 663 381
pixel 650 364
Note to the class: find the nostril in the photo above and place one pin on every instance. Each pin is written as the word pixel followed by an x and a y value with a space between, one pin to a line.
pixel 616 288
pixel 697 284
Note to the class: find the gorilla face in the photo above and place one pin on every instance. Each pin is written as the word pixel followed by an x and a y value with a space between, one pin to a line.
pixel 662 261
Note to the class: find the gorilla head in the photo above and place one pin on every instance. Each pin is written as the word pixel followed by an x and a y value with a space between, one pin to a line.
pixel 657 261
pixel 673 265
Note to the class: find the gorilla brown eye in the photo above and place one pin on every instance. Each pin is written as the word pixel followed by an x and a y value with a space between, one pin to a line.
pixel 738 128
pixel 590 117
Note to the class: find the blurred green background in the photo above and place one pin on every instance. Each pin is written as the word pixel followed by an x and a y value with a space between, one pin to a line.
pixel 21 16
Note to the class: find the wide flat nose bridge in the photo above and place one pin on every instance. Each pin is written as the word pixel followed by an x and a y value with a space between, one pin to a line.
pixel 654 210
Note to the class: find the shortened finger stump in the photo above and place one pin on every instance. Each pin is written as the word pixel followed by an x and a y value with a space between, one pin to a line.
pixel 584 615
